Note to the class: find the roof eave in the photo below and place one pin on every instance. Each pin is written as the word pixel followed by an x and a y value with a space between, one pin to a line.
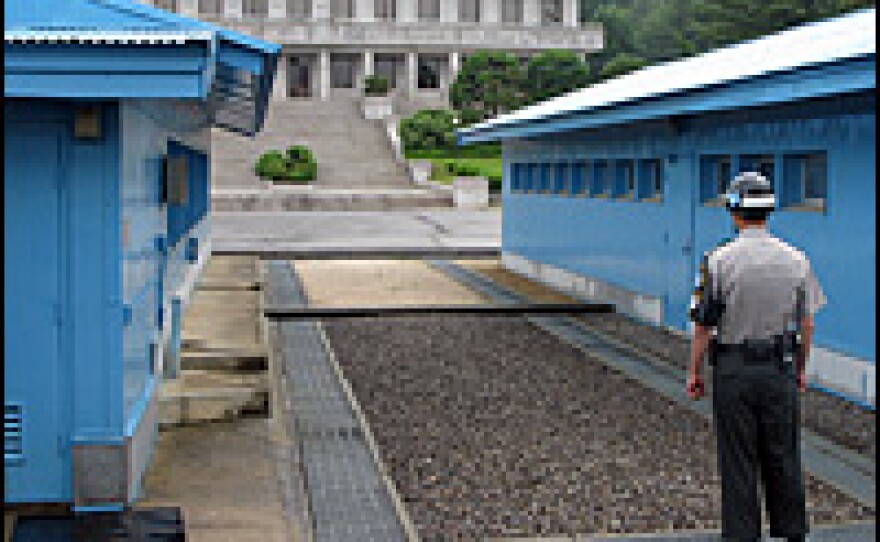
pixel 805 82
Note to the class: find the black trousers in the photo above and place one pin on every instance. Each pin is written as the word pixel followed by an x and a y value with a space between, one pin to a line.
pixel 758 430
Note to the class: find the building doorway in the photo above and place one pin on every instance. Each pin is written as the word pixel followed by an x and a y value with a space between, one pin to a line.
pixel 299 76
pixel 389 66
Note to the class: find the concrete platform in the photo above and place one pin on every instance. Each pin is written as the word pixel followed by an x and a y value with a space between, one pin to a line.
pixel 281 235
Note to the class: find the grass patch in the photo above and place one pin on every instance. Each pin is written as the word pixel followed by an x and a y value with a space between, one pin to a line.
pixel 444 169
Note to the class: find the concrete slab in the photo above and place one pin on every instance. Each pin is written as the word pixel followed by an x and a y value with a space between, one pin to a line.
pixel 379 282
pixel 297 233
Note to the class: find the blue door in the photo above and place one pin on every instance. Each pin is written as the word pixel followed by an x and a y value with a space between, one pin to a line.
pixel 36 459
pixel 679 202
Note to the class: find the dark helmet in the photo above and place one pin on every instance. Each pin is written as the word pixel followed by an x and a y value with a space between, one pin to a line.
pixel 750 191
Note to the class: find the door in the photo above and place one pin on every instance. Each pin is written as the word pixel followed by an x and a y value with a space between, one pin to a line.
pixel 36 460
pixel 679 237
pixel 300 77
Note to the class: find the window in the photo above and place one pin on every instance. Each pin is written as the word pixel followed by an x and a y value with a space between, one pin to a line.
pixel 600 183
pixel 561 178
pixel 255 8
pixel 512 11
pixel 651 180
pixel 429 71
pixel 388 66
pixel 551 12
pixel 211 7
pixel 515 178
pixel 342 70
pixel 167 5
pixel 715 176
pixel 429 10
pixel 624 179
pixel 342 9
pixel 546 172
pixel 806 181
pixel 385 10
pixel 299 9
pixel 469 11
pixel 765 164
pixel 579 178
pixel 531 183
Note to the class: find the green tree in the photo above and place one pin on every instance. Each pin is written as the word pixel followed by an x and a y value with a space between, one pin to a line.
pixel 621 64
pixel 554 73
pixel 488 84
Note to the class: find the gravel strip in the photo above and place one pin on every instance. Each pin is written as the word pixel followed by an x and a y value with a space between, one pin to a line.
pixel 492 428
pixel 837 420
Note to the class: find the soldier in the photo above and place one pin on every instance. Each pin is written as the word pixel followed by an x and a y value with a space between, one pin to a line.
pixel 753 314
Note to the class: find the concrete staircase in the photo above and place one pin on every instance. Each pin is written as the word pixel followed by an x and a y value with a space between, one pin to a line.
pixel 351 152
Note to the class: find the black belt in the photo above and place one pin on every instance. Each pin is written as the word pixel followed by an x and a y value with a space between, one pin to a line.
pixel 754 351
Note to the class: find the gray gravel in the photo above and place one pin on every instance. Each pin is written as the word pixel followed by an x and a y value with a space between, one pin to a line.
pixel 837 420
pixel 492 427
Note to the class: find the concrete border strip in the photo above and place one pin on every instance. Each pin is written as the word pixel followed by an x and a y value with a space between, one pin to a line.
pixel 399 508
pixel 297 520
pixel 827 461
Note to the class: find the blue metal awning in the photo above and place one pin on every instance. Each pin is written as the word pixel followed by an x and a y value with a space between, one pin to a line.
pixel 105 49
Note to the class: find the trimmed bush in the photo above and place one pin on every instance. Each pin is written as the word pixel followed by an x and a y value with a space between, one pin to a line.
pixel 297 164
pixel 271 165
pixel 376 85
pixel 428 129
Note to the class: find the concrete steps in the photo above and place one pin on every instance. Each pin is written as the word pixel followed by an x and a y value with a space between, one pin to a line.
pixel 351 152
pixel 223 359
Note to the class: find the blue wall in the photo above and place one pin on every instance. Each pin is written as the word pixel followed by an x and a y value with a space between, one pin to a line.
pixel 89 280
pixel 653 247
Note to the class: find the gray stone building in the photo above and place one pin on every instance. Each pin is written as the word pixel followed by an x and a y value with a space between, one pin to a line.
pixel 330 46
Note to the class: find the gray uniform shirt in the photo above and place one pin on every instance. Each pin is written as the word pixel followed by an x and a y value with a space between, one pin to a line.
pixel 764 285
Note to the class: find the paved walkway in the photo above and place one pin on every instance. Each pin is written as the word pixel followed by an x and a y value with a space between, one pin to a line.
pixel 285 235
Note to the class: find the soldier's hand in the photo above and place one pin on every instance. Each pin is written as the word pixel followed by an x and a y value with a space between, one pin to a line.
pixel 695 387
pixel 802 382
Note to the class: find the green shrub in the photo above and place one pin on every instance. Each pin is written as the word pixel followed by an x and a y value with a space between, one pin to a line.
pixel 271 165
pixel 428 129
pixel 296 165
pixel 376 85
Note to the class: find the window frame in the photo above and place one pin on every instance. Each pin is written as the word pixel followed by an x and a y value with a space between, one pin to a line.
pixel 798 201
pixel 603 183
pixel 624 180
pixel 717 183
pixel 655 183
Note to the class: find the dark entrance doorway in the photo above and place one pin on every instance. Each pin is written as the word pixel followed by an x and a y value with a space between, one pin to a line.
pixel 299 77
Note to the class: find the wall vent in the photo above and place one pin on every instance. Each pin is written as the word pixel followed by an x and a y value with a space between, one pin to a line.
pixel 13 419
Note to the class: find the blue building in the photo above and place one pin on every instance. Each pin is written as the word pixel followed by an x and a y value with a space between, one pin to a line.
pixel 107 115
pixel 612 192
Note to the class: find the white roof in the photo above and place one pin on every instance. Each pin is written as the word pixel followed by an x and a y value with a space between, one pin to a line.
pixel 849 36
pixel 99 36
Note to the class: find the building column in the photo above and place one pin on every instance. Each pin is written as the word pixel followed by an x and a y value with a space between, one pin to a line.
pixel 189 8
pixel 532 12
pixel 324 74
pixel 454 66
pixel 407 11
pixel 280 87
pixel 321 10
pixel 232 9
pixel 369 64
pixel 449 11
pixel 412 72
pixel 491 11
pixel 570 13
pixel 277 9
pixel 363 10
